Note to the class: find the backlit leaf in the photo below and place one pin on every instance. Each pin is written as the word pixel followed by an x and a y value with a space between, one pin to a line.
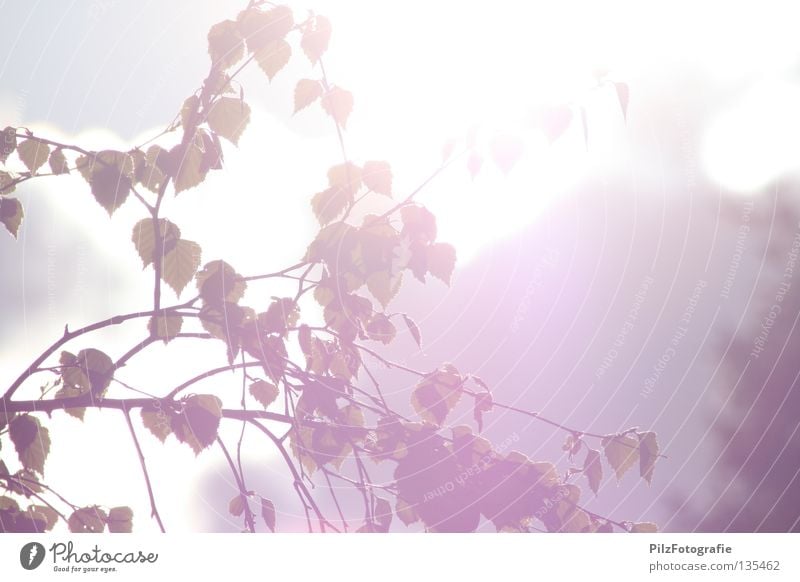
pixel 120 520
pixel 621 451
pixel 8 142
pixel 377 177
pixel 316 37
pixel 157 422
pixel 236 505
pixel 87 520
pixel 338 103
pixel 165 326
pixel 441 261
pixel 305 93
pixel 273 57
pixel 414 329
pixel 435 396
pixel 260 28
pixel 58 163
pixel 48 513
pixel 198 423
pixel 644 527
pixel 144 238
pixel 180 264
pixel 268 513
pixel 225 44
pixel 31 440
pixel 383 515
pixel 648 454
pixel 33 154
pixel 11 214
pixel 264 392
pixel 380 328
pixel 593 469
pixel 228 117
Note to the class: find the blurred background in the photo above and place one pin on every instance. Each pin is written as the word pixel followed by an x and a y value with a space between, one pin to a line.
pixel 639 271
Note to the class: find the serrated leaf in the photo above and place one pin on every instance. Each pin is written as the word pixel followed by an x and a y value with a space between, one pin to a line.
pixel 31 440
pixel 225 44
pixel 648 454
pixel 264 392
pixel 261 28
pixel 383 515
pixel 338 103
pixel 441 261
pixel 58 162
pixel 120 520
pixel 33 154
pixel 145 242
pixel 305 93
pixel 229 117
pixel 414 329
pixel 405 512
pixel 435 396
pixel 236 505
pixel 109 174
pixel 11 214
pixel 198 423
pixel 87 520
pixel 158 423
pixel 377 176
pixel 316 37
pixel 384 286
pixel 273 57
pixel 165 326
pixel 621 452
pixel 181 264
pixel 593 469
pixel 48 513
pixel 268 513
pixel 329 204
pixel 380 328
pixel 644 527
pixel 506 151
pixel 188 165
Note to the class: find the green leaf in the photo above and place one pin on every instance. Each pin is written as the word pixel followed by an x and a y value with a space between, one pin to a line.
pixel 237 504
pixel 414 329
pixel 181 264
pixel 441 261
pixel 198 423
pixel 305 93
pixel 31 440
pixel 593 469
pixel 91 369
pixel 384 286
pixel 644 527
pixel 87 520
pixel 265 392
pixel 435 396
pixel 11 214
pixel 338 103
pixel 7 183
pixel 272 57
pixel 145 241
pixel 377 177
pixel 316 37
pixel 228 117
pixel 158 423
pixel 58 163
pixel 268 513
pixel 33 154
pixel 648 454
pixel 120 520
pixel 165 327
pixel 225 44
pixel 621 451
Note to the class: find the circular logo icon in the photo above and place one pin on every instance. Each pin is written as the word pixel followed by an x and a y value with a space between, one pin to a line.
pixel 31 555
